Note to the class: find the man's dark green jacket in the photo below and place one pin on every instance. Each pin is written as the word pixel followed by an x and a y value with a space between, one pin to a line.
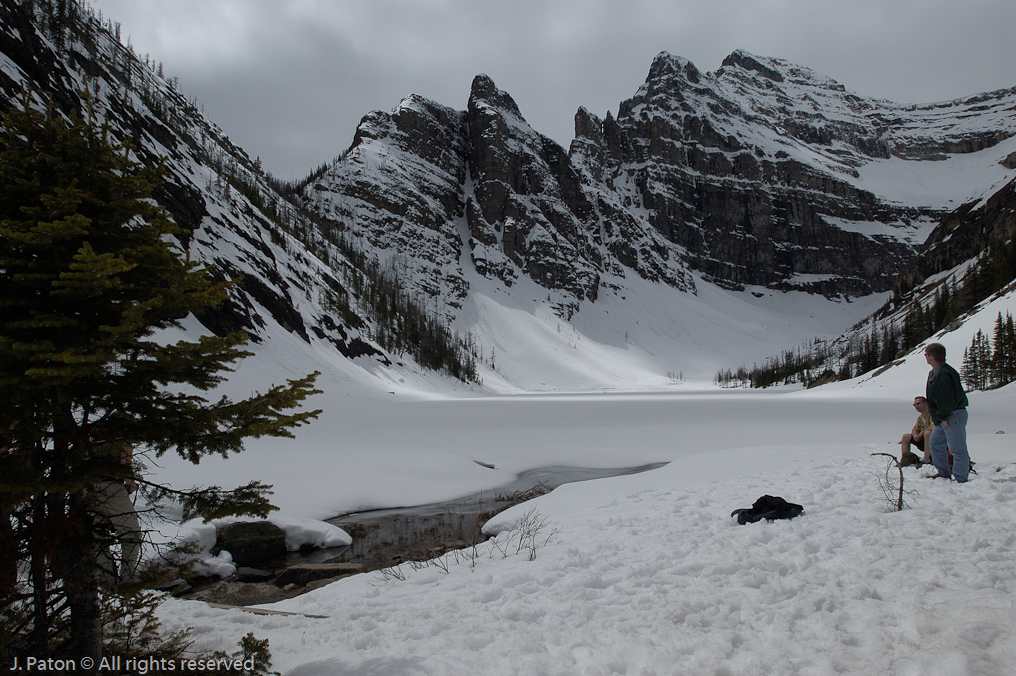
pixel 945 393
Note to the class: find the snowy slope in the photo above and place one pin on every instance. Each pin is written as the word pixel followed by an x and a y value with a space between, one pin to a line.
pixel 648 573
pixel 660 580
pixel 936 155
pixel 911 371
pixel 643 335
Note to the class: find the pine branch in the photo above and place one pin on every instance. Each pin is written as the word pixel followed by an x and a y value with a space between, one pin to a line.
pixel 214 502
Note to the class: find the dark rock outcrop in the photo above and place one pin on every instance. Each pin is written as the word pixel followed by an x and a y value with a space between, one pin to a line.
pixel 963 235
pixel 250 542
pixel 303 574
pixel 250 575
pixel 235 593
pixel 527 205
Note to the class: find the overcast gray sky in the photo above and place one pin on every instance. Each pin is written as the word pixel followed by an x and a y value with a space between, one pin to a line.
pixel 290 79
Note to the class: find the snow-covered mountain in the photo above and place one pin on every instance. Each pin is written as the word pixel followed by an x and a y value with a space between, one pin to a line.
pixel 717 219
pixel 762 173
pixel 768 173
pixel 291 279
pixel 735 190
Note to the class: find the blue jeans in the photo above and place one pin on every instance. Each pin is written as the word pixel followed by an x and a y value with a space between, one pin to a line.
pixel 952 439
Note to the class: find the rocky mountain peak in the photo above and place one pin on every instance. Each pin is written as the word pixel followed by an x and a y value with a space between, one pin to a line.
pixel 666 66
pixel 527 211
pixel 483 90
pixel 747 61
pixel 588 126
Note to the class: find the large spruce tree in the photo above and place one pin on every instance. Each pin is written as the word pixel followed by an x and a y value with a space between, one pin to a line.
pixel 90 275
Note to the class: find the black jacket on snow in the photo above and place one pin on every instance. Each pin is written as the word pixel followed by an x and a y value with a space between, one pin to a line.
pixel 768 507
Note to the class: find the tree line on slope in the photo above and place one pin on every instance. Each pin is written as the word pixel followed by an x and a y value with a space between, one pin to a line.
pixel 398 321
pixel 893 331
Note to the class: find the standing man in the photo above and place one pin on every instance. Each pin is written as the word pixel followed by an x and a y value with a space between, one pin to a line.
pixel 947 403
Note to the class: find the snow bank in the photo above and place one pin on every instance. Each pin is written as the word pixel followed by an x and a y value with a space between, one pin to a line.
pixel 299 531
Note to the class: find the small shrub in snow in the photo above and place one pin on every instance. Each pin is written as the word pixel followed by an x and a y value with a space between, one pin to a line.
pixel 527 536
pixel 890 482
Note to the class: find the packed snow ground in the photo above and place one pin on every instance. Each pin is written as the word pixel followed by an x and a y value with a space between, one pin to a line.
pixel 648 574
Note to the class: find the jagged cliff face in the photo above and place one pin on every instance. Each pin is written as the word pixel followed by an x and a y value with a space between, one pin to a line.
pixel 399 192
pixel 440 194
pixel 760 174
pixel 963 235
pixel 713 173
pixel 525 211
pixel 756 171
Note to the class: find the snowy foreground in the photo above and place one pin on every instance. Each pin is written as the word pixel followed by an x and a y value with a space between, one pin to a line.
pixel 648 574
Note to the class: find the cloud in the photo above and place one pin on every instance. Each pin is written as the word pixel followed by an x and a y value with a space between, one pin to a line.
pixel 290 80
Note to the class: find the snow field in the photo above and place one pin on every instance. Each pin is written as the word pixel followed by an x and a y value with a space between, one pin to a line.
pixel 648 574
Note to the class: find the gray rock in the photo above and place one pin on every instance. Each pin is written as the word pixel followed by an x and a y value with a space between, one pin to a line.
pixel 317 584
pixel 247 574
pixel 176 587
pixel 250 541
pixel 306 573
pixel 240 593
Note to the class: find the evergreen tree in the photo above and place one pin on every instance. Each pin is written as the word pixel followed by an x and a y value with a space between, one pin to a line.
pixel 967 368
pixel 982 347
pixel 943 300
pixel 977 363
pixel 1003 359
pixel 890 344
pixel 89 276
pixel 914 330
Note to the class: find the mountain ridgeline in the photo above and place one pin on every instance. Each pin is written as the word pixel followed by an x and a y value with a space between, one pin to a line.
pixel 749 176
pixel 761 177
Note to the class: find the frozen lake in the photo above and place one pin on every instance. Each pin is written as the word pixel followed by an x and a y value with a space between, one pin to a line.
pixel 380 452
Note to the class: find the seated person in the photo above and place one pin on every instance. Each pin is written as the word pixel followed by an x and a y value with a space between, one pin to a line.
pixel 918 436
